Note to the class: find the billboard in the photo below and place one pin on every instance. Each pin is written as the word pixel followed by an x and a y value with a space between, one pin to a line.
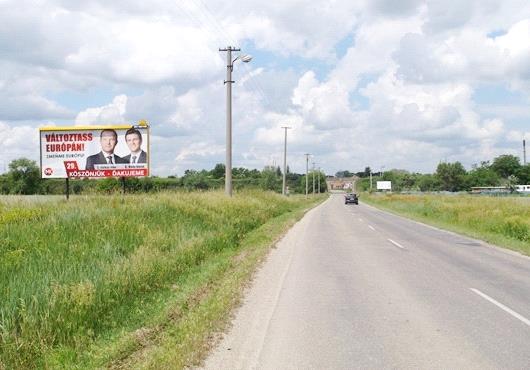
pixel 384 185
pixel 94 151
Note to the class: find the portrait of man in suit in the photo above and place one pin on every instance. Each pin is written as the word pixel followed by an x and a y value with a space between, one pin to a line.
pixel 133 138
pixel 108 139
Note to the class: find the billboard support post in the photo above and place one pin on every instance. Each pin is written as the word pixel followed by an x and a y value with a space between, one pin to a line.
pixel 67 188
pixel 123 185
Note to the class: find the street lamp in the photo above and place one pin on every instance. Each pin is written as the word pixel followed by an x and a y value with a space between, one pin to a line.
pixel 228 82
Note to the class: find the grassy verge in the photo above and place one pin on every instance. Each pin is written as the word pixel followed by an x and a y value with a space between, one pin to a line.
pixel 134 282
pixel 503 221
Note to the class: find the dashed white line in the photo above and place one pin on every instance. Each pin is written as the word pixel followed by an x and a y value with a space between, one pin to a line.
pixel 501 306
pixel 396 244
pixel 371 227
pixel 360 219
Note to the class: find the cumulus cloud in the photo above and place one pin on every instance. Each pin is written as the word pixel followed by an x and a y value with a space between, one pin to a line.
pixel 108 114
pixel 326 105
pixel 31 107
pixel 17 142
pixel 468 56
pixel 367 83
pixel 396 8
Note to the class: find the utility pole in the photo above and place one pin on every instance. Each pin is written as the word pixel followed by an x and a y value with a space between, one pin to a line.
pixel 313 178
pixel 284 192
pixel 228 82
pixel 524 152
pixel 306 173
pixel 370 179
pixel 318 190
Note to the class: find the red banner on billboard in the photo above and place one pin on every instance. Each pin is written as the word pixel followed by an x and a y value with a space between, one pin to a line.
pixel 74 172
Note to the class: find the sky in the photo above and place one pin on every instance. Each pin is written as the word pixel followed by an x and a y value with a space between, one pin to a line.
pixel 382 83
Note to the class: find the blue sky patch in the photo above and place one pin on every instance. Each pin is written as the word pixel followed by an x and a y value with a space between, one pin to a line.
pixel 496 33
pixel 271 60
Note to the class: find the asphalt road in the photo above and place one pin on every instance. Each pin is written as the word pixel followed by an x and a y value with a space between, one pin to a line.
pixel 352 287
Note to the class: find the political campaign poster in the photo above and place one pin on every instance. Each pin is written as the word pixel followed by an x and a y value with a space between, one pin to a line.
pixel 94 151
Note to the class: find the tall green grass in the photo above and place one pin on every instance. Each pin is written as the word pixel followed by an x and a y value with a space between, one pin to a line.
pixel 504 221
pixel 81 273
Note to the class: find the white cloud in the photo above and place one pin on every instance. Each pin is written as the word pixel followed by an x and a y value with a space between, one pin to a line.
pixel 17 142
pixel 108 114
pixel 469 55
pixel 365 83
pixel 325 105
pixel 518 136
pixel 289 27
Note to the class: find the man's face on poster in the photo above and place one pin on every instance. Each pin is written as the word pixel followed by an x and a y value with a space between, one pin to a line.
pixel 134 142
pixel 108 141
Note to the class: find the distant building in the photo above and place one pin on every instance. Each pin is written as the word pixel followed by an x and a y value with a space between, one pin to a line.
pixel 522 189
pixel 336 183
pixel 525 189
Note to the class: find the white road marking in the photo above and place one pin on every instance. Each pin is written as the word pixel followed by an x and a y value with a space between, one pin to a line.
pixel 501 306
pixel 396 244
pixel 371 227
pixel 360 219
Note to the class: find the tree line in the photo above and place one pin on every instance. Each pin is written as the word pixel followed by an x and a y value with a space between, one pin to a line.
pixel 23 177
pixel 505 170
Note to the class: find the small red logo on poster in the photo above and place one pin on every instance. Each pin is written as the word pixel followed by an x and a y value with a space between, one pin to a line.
pixel 48 171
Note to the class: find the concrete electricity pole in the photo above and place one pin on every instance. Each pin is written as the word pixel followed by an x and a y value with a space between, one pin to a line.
pixel 313 178
pixel 318 190
pixel 228 82
pixel 284 192
pixel 306 173
pixel 524 152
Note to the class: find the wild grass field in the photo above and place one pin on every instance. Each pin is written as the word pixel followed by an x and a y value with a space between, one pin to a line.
pixel 503 221
pixel 128 281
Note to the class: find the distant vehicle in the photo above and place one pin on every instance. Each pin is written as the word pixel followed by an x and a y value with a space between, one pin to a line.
pixel 351 198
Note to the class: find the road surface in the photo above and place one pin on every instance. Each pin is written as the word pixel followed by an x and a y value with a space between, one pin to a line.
pixel 352 287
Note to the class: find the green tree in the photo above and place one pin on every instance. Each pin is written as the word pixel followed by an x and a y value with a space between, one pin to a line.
pixel 270 179
pixel 218 171
pixel 344 173
pixel 317 174
pixel 451 176
pixel 506 165
pixel 323 183
pixel 524 175
pixel 196 180
pixel 482 175
pixel 367 172
pixel 4 184
pixel 24 177
pixel 428 182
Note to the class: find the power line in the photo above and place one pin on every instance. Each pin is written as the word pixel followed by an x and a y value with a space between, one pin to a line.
pixel 254 84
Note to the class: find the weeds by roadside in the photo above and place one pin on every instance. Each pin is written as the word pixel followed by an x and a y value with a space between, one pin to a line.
pixel 100 274
pixel 504 221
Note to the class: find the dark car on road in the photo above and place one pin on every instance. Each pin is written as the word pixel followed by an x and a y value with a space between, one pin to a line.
pixel 351 198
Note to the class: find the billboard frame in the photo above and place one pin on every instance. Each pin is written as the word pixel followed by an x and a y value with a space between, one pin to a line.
pixel 142 124
pixel 384 185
